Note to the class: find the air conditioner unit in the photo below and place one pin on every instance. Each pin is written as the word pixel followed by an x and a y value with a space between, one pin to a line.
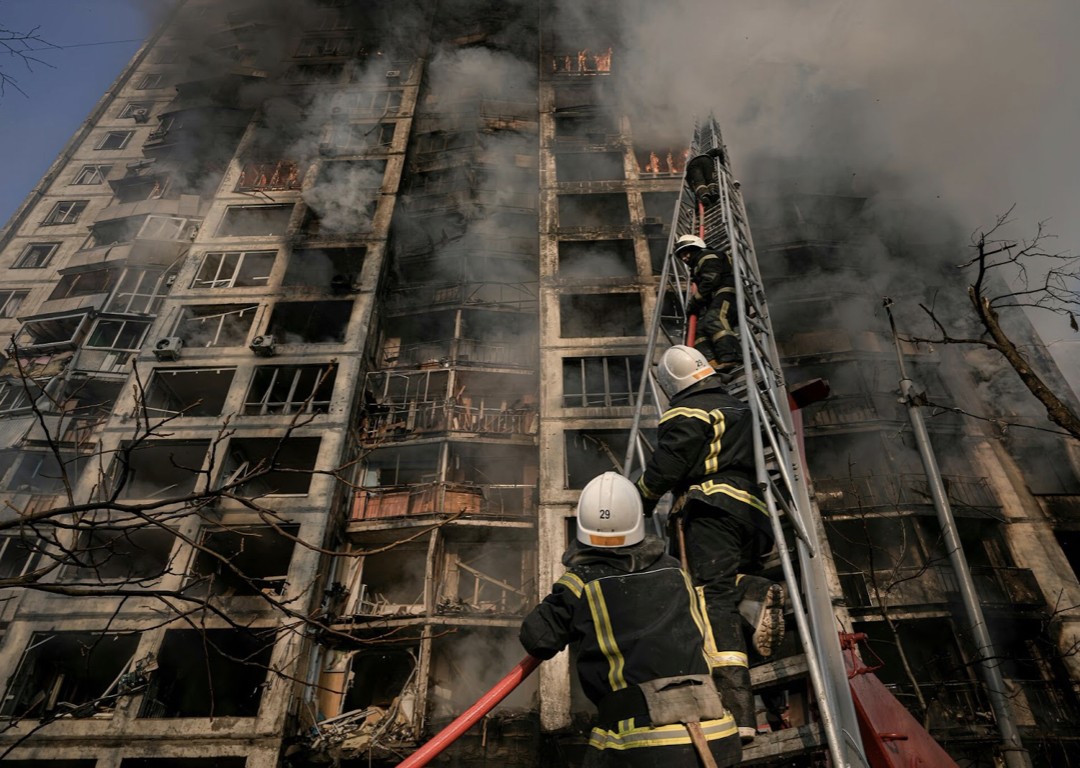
pixel 393 73
pixel 264 346
pixel 168 348
pixel 141 115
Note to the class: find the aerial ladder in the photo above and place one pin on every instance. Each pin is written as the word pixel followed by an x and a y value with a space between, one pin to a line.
pixel 722 224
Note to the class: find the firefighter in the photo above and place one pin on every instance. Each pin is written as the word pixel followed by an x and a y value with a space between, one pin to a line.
pixel 637 627
pixel 713 301
pixel 704 456
pixel 701 176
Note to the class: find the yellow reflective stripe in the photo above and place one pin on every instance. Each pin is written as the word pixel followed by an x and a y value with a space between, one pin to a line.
pixel 605 635
pixel 711 651
pixel 731 659
pixel 645 490
pixel 626 725
pixel 691 413
pixel 712 460
pixel 572 582
pixel 696 609
pixel 665 735
pixel 709 487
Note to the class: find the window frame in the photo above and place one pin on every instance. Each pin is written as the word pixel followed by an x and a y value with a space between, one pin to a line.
pixel 123 322
pixel 163 278
pixel 10 302
pixel 149 81
pixel 241 258
pixel 95 173
pixel 109 136
pixel 21 262
pixel 64 212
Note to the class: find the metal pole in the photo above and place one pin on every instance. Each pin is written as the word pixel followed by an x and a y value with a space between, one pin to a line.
pixel 1014 753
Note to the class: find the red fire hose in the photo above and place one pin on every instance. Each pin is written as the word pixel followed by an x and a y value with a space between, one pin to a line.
pixel 468 718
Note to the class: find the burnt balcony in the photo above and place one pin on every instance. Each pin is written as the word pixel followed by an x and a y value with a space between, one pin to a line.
pixel 518 297
pixel 402 421
pixel 403 501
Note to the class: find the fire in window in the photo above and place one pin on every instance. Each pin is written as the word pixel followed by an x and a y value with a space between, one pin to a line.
pixel 282 174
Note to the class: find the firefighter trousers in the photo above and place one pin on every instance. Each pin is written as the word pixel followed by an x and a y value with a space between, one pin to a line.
pixel 717 330
pixel 719 546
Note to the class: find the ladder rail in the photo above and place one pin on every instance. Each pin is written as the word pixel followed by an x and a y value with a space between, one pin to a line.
pixel 781 476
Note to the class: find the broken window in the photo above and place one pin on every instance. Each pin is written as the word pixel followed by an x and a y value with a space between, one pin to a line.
pixel 113 231
pixel 589 166
pixel 255 220
pixel 604 211
pixel 597 258
pixel 379 676
pixel 666 161
pixel 65 212
pixel 160 468
pixel 591 315
pixel 601 382
pixel 140 290
pixel 591 452
pixel 127 556
pixel 114 140
pixel 83 283
pixel 218 325
pixel 271 466
pixel 594 129
pixel 39 473
pixel 10 301
pixel 188 391
pixel 15 397
pixel 391 583
pixel 52 333
pixel 209 673
pixel 367 103
pixel 479 656
pixel 333 269
pixel 358 137
pixel 173 228
pixel 92 174
pixel 35 255
pixel 288 389
pixel 18 554
pixel 312 322
pixel 242 560
pixel 345 197
pixel 488 578
pixel 235 269
pixel 323 72
pixel 75 673
pixel 280 174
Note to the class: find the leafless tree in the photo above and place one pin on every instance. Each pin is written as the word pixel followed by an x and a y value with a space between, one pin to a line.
pixel 1046 281
pixel 21 48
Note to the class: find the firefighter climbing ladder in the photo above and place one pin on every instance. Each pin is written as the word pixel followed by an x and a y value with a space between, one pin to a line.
pixel 722 224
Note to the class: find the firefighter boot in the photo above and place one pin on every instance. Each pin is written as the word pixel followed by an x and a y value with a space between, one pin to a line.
pixel 733 683
pixel 763 609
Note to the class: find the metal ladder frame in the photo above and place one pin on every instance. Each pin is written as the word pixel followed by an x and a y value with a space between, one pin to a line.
pixel 780 473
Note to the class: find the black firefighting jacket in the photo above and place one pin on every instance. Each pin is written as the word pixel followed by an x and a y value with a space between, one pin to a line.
pixel 705 451
pixel 714 280
pixel 631 612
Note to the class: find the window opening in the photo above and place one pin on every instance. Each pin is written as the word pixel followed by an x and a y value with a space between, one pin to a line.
pixel 256 561
pixel 235 269
pixel 588 315
pixel 92 174
pixel 313 322
pixel 284 466
pixel 189 391
pixel 65 212
pixel 221 325
pixel 601 382
pixel 597 258
pixel 35 255
pixel 255 220
pixel 287 389
pixel 114 140
pixel 141 290
pixel 10 301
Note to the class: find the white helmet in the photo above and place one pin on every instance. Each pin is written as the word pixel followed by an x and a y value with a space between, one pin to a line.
pixel 609 512
pixel 680 367
pixel 688 241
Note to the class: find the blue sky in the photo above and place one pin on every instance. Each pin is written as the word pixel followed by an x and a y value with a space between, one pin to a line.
pixel 58 98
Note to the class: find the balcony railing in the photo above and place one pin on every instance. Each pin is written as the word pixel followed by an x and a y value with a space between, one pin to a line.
pixel 449 498
pixel 845 494
pixel 399 421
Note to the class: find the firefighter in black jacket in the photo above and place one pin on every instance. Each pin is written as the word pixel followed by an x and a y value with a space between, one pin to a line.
pixel 713 301
pixel 637 627
pixel 704 456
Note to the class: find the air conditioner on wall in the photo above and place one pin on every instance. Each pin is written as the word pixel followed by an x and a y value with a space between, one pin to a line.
pixel 168 348
pixel 264 346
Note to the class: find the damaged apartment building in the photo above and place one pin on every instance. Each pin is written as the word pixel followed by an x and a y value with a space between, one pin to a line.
pixel 319 324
